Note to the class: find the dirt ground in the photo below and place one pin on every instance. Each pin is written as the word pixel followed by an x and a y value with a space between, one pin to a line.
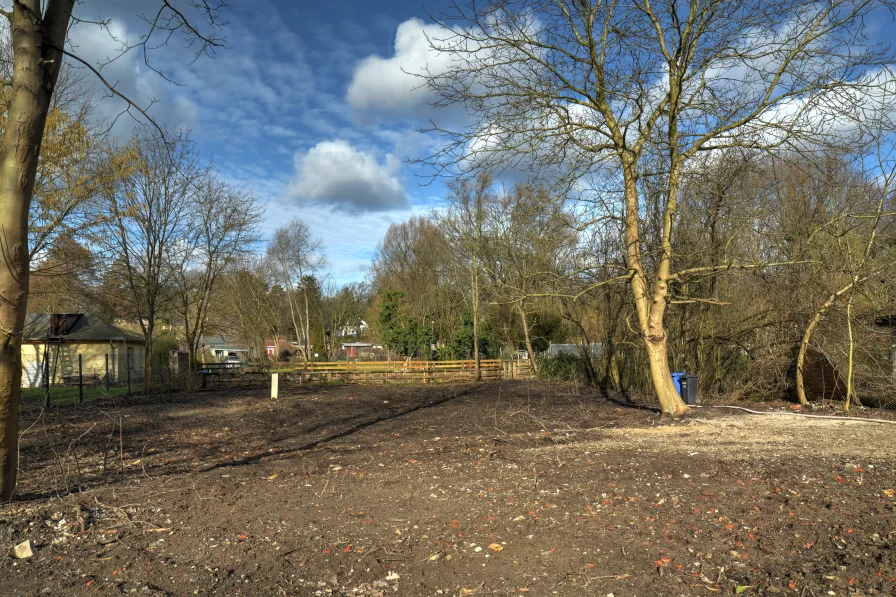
pixel 493 489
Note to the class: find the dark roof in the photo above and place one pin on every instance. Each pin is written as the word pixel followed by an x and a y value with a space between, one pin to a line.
pixel 87 326
pixel 222 343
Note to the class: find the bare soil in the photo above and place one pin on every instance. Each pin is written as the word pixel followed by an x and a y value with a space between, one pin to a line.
pixel 492 489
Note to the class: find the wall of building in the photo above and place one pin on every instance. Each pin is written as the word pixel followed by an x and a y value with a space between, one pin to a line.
pixel 64 361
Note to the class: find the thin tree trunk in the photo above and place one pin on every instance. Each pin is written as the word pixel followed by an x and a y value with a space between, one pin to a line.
pixel 307 332
pixel 295 325
pixel 147 361
pixel 851 350
pixel 36 69
pixel 614 370
pixel 478 371
pixel 532 363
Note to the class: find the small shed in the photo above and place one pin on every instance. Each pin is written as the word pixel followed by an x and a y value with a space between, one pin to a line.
pixel 572 349
pixel 62 337
pixel 363 350
pixel 353 348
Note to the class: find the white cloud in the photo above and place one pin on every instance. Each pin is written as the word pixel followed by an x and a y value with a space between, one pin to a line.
pixel 388 86
pixel 337 174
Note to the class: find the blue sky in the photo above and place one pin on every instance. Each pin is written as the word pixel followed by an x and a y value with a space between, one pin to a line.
pixel 307 105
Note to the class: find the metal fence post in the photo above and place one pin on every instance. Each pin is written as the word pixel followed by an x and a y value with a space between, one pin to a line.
pixel 80 382
pixel 47 376
pixel 107 372
pixel 128 365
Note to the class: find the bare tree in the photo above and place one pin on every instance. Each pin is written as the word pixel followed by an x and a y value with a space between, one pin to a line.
pixel 630 93
pixel 342 308
pixel 148 230
pixel 295 256
pixel 464 226
pixel 858 251
pixel 411 259
pixel 530 252
pixel 224 222
pixel 250 301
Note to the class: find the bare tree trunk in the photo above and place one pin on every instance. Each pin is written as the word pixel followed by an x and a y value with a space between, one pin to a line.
pixel 851 351
pixel 614 371
pixel 650 309
pixel 307 331
pixel 147 361
pixel 532 362
pixel 478 371
pixel 36 69
pixel 295 324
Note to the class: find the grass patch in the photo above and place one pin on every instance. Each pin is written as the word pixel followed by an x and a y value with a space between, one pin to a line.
pixel 61 396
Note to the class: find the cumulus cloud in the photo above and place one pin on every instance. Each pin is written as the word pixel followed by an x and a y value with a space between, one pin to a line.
pixel 335 173
pixel 388 86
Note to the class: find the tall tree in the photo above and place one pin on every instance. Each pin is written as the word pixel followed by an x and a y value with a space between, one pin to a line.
pixel 469 200
pixel 574 90
pixel 531 247
pixel 296 254
pixel 411 259
pixel 224 223
pixel 149 229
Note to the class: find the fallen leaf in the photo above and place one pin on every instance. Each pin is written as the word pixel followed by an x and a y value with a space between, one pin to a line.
pixel 496 547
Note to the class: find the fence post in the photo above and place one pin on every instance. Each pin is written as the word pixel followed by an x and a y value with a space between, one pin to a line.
pixel 107 372
pixel 275 385
pixel 80 382
pixel 47 376
pixel 128 365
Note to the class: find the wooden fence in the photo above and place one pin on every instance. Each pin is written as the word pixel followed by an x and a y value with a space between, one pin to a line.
pixel 375 372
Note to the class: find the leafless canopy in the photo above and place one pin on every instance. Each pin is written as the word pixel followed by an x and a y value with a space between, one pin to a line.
pixel 559 86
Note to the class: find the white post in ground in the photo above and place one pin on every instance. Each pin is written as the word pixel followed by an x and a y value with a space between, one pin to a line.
pixel 275 384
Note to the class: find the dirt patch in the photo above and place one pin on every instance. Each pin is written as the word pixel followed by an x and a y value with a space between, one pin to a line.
pixel 494 489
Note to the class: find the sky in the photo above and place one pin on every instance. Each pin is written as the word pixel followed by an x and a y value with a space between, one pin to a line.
pixel 307 105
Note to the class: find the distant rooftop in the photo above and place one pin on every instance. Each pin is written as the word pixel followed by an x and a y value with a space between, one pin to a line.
pixel 77 326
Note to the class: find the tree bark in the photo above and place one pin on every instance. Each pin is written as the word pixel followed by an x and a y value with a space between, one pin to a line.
pixel 849 370
pixel 650 309
pixel 147 361
pixel 478 367
pixel 36 68
pixel 532 363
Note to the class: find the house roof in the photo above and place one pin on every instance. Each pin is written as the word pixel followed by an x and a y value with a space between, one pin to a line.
pixel 87 326
pixel 222 343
